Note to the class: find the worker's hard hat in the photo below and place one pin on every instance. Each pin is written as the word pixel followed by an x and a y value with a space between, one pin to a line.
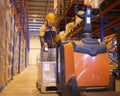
pixel 50 17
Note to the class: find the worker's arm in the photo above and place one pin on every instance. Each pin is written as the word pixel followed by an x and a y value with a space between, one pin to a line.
pixel 42 41
pixel 57 38
pixel 42 33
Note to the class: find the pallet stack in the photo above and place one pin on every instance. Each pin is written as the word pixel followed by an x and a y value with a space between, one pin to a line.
pixel 16 52
pixel 22 60
pixel 62 5
pixel 2 68
pixel 6 38
pixel 47 71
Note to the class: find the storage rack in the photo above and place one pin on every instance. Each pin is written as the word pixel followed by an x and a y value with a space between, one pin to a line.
pixel 21 26
pixel 14 39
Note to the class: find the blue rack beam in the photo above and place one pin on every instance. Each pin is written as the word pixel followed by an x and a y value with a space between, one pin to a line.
pixel 19 50
pixel 13 51
pixel 76 10
pixel 102 29
pixel 19 47
pixel 112 26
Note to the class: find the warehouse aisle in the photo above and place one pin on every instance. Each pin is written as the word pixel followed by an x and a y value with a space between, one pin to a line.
pixel 24 84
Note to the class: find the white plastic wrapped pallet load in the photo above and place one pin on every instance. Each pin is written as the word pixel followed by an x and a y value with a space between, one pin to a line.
pixel 49 72
pixel 93 3
pixel 62 35
pixel 78 20
pixel 69 27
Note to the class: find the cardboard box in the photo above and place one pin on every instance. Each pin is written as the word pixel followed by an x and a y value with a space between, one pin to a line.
pixel 93 3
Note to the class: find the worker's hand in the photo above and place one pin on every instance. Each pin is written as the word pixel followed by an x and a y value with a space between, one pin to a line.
pixel 45 47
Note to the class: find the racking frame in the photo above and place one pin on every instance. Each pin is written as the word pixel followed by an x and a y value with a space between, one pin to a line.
pixel 107 11
pixel 21 23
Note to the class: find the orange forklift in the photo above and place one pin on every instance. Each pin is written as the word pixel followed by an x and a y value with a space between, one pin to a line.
pixel 83 66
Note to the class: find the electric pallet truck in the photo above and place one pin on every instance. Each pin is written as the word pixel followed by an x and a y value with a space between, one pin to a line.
pixel 83 66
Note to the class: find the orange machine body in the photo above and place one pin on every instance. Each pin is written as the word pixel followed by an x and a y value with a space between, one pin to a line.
pixel 91 70
pixel 88 70
pixel 69 61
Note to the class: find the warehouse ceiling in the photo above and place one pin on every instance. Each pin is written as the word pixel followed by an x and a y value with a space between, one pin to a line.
pixel 37 11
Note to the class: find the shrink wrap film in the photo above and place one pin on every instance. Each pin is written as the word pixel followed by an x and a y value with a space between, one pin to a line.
pixel 93 3
pixel 78 20
pixel 62 35
pixel 48 72
pixel 69 27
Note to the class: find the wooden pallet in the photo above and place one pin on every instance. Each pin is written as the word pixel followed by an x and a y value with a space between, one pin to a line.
pixel 47 88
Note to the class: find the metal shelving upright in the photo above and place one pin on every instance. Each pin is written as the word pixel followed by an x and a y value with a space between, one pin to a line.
pixel 21 26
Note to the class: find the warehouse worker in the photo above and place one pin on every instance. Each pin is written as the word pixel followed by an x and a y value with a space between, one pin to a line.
pixel 50 30
pixel 48 38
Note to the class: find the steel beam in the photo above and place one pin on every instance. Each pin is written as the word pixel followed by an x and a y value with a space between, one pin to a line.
pixel 115 3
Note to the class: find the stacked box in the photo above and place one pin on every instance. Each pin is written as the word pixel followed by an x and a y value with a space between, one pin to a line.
pixel 94 3
pixel 2 43
pixel 22 61
pixel 2 67
pixel 16 60
pixel 110 41
pixel 6 33
pixel 2 26
pixel 2 39
pixel 7 73
pixel 62 7
pixel 48 72
pixel 8 65
pixel 69 27
pixel 16 43
pixel 78 20
pixel 47 76
pixel 2 82
pixel 67 2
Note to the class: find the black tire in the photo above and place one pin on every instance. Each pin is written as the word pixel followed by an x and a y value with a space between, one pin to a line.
pixel 74 87
pixel 112 83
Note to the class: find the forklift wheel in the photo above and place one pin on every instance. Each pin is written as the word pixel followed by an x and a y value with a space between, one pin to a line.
pixel 112 83
pixel 74 88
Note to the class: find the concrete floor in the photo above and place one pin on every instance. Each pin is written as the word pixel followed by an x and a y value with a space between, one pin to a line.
pixel 24 84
